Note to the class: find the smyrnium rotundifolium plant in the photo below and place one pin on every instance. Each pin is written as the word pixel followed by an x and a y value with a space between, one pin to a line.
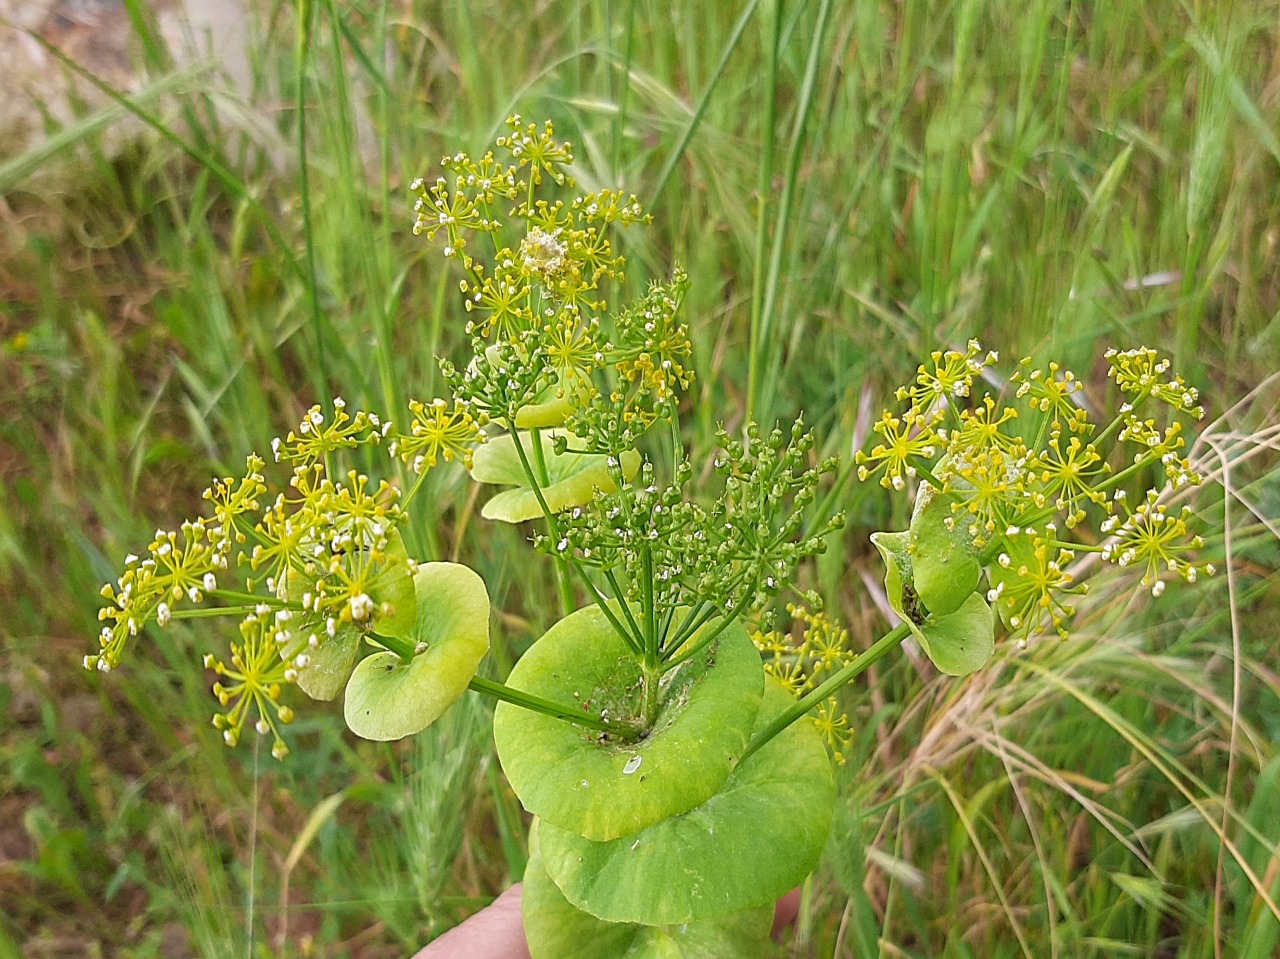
pixel 673 733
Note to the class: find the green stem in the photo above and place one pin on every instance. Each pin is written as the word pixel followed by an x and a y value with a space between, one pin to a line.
pixel 842 677
pixel 650 619
pixel 554 528
pixel 537 704
pixel 764 190
pixel 651 680
pixel 206 612
pixel 603 603
pixel 301 51
pixel 403 648
pixel 690 626
pixel 413 490
pixel 665 630
pixel 704 642
pixel 563 586
pixel 540 456
pixel 1116 420
pixel 622 602
pixel 682 631
pixel 1117 478
pixel 254 598
pixel 926 474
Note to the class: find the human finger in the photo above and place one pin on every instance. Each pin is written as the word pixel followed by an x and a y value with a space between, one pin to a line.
pixel 495 932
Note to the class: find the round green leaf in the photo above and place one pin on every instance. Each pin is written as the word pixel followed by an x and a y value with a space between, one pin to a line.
pixel 944 559
pixel 553 406
pixel 759 836
pixel 556 929
pixel 572 478
pixel 961 642
pixel 602 788
pixel 552 411
pixel 394 591
pixel 388 698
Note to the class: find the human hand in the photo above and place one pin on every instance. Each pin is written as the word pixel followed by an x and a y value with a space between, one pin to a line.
pixel 497 931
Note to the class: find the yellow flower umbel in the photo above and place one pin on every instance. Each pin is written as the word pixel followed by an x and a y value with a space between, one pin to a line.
pixel 1069 475
pixel 1036 590
pixel 948 377
pixel 437 434
pixel 252 684
pixel 802 666
pixel 317 563
pixel 178 568
pixel 1154 540
pixel 908 440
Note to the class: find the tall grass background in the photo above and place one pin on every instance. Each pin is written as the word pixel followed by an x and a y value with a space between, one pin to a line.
pixel 185 268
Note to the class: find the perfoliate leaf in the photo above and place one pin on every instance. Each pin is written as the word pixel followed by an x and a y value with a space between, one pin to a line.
pixel 329 665
pixel 572 478
pixel 395 592
pixel 551 410
pixel 962 642
pixel 549 413
pixel 599 786
pixel 388 698
pixel 556 929
pixel 944 559
pixel 958 643
pixel 330 662
pixel 756 838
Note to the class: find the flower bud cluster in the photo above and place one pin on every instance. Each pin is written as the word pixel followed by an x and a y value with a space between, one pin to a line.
pixel 737 552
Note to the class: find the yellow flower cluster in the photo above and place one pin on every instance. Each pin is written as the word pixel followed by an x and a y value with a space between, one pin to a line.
pixel 802 663
pixel 323 556
pixel 252 683
pixel 438 433
pixel 1012 470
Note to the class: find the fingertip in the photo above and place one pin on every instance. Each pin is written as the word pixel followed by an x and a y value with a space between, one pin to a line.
pixel 784 913
pixel 495 932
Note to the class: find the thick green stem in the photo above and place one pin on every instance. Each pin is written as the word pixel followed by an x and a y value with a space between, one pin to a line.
pixel 650 681
pixel 650 618
pixel 548 708
pixel 890 640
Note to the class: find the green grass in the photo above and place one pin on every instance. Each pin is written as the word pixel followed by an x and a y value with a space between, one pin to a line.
pixel 849 186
